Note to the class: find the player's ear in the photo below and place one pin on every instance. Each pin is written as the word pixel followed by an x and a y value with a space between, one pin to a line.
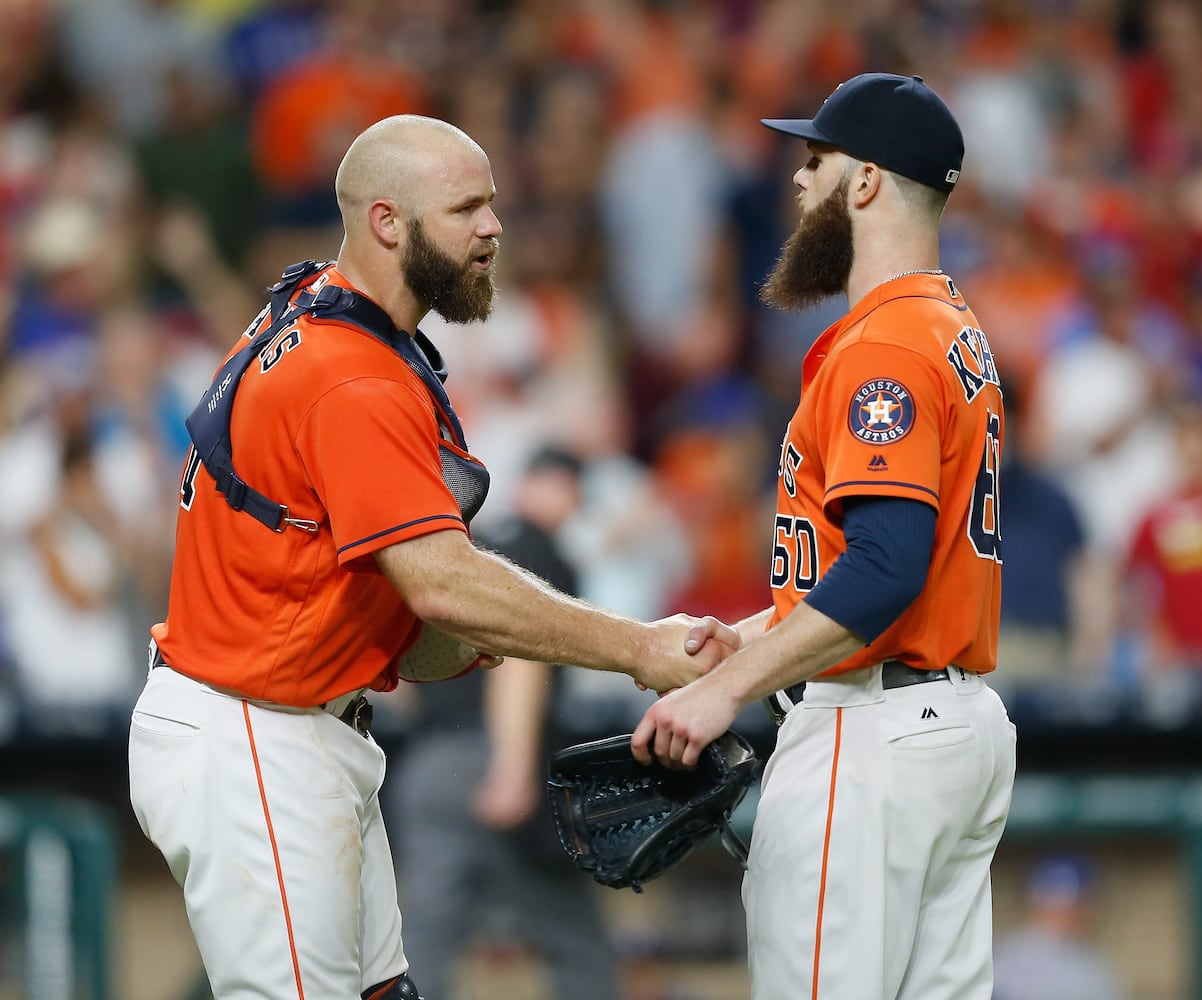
pixel 865 183
pixel 386 223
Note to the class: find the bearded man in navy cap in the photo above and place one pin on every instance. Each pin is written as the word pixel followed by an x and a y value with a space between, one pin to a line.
pixel 890 784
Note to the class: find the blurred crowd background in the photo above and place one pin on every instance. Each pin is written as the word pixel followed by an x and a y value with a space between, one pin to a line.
pixel 161 161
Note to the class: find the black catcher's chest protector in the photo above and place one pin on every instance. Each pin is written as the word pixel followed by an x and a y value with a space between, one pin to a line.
pixel 209 423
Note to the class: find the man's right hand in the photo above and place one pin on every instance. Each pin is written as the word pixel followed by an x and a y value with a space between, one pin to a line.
pixel 690 648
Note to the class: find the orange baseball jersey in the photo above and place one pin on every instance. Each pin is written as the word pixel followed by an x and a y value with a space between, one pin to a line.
pixel 334 424
pixel 900 398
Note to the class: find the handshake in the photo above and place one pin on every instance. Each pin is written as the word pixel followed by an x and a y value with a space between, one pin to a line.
pixel 706 642
pixel 680 649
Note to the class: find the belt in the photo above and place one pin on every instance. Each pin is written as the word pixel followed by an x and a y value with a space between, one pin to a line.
pixel 894 674
pixel 352 708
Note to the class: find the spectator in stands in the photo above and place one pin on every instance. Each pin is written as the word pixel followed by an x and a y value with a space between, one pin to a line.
pixel 1096 414
pixel 60 288
pixel 482 847
pixel 199 159
pixel 305 115
pixel 124 54
pixel 665 180
pixel 1163 574
pixel 628 541
pixel 1163 83
pixel 61 584
pixel 267 38
pixel 1055 622
pixel 1051 956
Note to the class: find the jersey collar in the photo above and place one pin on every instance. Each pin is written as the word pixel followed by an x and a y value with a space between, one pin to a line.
pixel 938 286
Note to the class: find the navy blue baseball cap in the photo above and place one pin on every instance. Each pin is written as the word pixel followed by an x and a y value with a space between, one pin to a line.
pixel 897 122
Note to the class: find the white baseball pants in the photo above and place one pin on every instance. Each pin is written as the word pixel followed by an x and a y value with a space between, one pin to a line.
pixel 868 876
pixel 269 818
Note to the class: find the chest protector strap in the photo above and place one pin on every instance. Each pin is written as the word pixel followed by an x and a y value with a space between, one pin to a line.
pixel 209 423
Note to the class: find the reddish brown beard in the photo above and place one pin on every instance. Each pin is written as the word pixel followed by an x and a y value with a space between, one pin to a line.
pixel 815 262
pixel 455 292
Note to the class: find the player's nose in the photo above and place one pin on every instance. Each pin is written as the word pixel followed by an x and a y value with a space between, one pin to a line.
pixel 490 225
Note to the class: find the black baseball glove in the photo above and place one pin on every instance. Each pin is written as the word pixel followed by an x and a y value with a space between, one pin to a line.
pixel 627 823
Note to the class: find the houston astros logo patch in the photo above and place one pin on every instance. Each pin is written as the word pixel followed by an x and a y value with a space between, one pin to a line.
pixel 882 411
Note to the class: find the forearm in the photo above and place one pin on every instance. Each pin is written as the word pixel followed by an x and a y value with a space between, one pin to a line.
pixel 805 643
pixel 488 602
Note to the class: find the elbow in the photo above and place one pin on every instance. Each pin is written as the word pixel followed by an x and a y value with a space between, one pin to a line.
pixel 431 574
pixel 436 595
pixel 435 605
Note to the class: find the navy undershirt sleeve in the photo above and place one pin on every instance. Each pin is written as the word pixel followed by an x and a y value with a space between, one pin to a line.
pixel 889 541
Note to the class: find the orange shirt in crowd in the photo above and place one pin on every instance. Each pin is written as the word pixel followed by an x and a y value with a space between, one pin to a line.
pixel 308 115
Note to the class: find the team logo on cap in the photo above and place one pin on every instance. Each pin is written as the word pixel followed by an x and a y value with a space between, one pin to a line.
pixel 881 412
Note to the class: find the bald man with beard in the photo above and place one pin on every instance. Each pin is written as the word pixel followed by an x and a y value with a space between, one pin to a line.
pixel 322 531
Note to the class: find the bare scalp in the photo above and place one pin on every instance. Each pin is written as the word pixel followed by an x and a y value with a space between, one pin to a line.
pixel 398 159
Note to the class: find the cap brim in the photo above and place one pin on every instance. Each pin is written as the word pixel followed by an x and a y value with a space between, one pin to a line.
pixel 803 128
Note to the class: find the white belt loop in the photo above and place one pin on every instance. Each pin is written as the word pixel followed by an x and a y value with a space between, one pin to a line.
pixel 342 702
pixel 856 687
pixel 964 681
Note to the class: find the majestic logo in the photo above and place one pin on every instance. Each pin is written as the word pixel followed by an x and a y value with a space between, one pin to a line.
pixel 881 412
pixel 878 464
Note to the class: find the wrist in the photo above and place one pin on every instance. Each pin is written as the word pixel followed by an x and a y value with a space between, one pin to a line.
pixel 736 681
pixel 752 627
pixel 648 644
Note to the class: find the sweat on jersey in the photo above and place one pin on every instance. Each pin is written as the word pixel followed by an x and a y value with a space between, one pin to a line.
pixel 334 424
pixel 900 398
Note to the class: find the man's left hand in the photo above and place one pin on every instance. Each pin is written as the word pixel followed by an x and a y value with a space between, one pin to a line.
pixel 683 723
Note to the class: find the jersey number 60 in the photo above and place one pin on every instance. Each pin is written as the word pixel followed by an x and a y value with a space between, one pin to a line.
pixel 797 562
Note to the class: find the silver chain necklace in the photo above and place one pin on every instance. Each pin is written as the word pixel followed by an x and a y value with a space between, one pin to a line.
pixel 920 270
